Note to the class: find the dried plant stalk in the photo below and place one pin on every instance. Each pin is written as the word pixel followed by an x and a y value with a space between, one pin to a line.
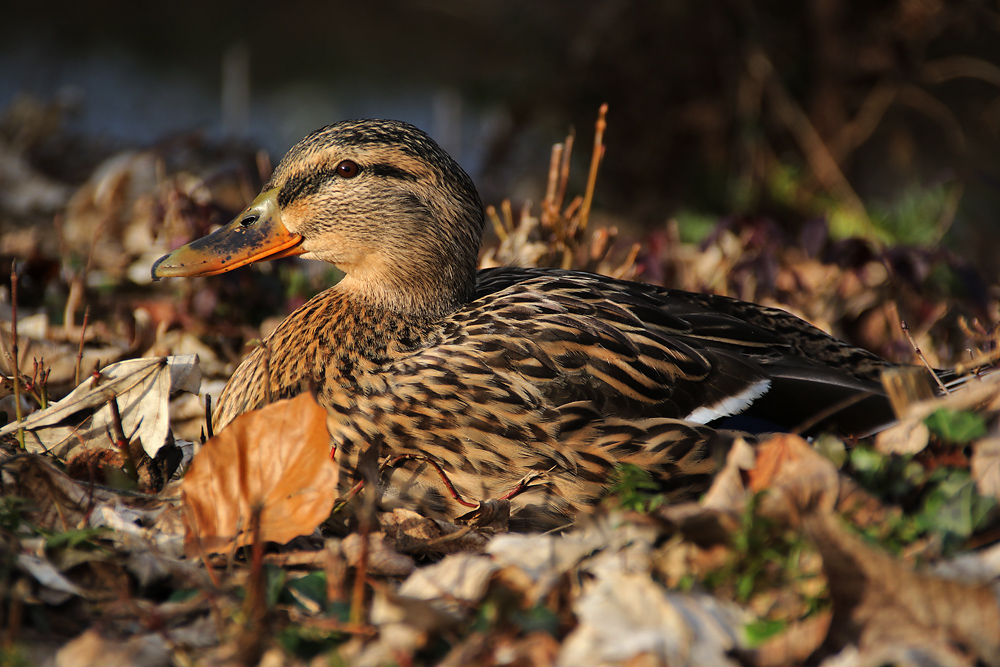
pixel 15 365
pixel 595 162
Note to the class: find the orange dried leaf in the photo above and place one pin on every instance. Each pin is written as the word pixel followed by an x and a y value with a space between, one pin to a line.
pixel 775 454
pixel 795 472
pixel 275 460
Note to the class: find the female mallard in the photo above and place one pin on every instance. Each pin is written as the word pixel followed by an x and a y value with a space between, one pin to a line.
pixel 509 373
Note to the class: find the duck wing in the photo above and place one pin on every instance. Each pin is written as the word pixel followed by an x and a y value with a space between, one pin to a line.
pixel 638 351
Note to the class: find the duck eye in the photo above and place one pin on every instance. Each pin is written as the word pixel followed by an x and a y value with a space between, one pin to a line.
pixel 249 221
pixel 348 169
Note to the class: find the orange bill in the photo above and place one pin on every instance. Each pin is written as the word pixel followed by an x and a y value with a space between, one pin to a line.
pixel 255 235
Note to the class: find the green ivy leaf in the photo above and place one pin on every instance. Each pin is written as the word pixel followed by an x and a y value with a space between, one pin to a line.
pixel 956 426
pixel 954 510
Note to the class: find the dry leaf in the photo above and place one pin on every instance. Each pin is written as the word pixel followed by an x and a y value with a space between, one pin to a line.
pixel 90 648
pixel 544 559
pixel 535 649
pixel 907 437
pixel 797 477
pixel 795 644
pixel 727 493
pixel 59 588
pixel 625 615
pixel 879 603
pixel 986 466
pixel 433 597
pixel 56 501
pixel 383 559
pixel 976 567
pixel 453 584
pixel 976 393
pixel 417 534
pixel 493 514
pixel 275 460
pixel 142 388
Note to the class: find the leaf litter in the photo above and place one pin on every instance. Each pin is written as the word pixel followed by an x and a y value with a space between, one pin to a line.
pixel 141 388
pixel 872 552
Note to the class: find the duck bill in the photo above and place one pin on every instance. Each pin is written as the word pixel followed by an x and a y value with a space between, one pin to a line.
pixel 255 235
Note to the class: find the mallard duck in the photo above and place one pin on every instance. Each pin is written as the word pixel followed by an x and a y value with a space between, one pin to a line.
pixel 521 383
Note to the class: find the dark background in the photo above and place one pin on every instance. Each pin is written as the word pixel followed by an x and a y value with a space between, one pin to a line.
pixel 785 109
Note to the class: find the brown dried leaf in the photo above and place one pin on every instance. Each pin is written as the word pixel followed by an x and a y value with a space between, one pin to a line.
pixel 92 465
pixel 727 492
pixel 277 460
pixel 432 597
pixel 91 648
pixel 907 437
pixel 985 466
pixel 794 645
pixel 56 501
pixel 417 534
pixel 383 559
pixel 798 477
pixel 494 514
pixel 879 603
pixel 536 649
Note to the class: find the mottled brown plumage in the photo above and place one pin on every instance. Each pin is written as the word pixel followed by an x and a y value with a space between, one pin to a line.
pixel 506 373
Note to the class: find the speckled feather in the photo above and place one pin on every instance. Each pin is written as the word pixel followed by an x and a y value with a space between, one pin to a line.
pixel 508 372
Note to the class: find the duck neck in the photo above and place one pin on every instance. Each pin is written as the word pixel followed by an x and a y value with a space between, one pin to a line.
pixel 418 288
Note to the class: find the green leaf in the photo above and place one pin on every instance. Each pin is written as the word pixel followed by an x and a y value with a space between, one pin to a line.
pixel 306 643
pixel 537 618
pixel 12 509
pixel 634 488
pixel 956 426
pixel 758 632
pixel 954 510
pixel 12 656
pixel 832 448
pixel 275 582
pixel 72 539
pixel 183 594
pixel 307 592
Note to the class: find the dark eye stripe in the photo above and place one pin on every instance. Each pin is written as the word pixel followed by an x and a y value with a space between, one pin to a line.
pixel 308 183
pixel 389 171
pixel 303 185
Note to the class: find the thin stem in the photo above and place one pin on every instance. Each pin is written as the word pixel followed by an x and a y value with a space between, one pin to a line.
pixel 17 367
pixel 79 353
pixel 923 359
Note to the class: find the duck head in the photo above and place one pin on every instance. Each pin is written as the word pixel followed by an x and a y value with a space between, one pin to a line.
pixel 379 199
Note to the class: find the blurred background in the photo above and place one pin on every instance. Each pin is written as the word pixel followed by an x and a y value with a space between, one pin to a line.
pixel 728 107
pixel 860 134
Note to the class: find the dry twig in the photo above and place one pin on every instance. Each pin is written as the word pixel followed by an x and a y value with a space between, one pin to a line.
pixel 15 365
pixel 79 352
